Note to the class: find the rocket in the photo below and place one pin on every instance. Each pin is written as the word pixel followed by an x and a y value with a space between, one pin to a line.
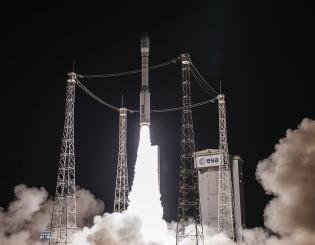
pixel 144 92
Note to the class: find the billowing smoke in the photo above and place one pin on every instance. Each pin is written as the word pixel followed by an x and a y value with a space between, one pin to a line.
pixel 288 174
pixel 87 207
pixel 30 213
pixel 25 216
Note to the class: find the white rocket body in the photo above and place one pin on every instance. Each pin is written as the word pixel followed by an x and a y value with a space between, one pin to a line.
pixel 144 92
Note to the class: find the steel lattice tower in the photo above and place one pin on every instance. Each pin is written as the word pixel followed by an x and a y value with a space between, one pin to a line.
pixel 122 188
pixel 189 224
pixel 63 223
pixel 226 222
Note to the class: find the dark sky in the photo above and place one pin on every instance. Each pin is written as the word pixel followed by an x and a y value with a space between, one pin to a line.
pixel 261 50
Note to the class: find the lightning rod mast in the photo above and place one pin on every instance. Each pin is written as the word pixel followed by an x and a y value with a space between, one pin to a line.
pixel 122 188
pixel 189 224
pixel 63 222
pixel 226 220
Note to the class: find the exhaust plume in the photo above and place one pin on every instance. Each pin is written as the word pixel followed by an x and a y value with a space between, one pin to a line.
pixel 145 197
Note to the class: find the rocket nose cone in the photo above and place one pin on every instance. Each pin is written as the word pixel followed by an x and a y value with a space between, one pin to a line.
pixel 145 41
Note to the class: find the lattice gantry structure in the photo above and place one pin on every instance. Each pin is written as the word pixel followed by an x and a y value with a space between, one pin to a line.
pixel 122 188
pixel 226 221
pixel 189 224
pixel 63 223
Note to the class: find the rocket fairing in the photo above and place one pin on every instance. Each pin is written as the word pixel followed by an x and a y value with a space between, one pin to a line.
pixel 144 92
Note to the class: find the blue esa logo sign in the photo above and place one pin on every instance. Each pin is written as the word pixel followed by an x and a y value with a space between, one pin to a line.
pixel 208 161
pixel 213 160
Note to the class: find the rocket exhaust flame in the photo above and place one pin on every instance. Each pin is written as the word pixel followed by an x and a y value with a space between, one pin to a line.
pixel 145 197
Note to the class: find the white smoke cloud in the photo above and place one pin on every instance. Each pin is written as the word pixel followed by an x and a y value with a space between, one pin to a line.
pixel 30 213
pixel 112 229
pixel 25 216
pixel 288 174
pixel 87 207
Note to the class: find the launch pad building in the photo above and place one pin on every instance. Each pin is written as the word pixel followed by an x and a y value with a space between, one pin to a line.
pixel 207 162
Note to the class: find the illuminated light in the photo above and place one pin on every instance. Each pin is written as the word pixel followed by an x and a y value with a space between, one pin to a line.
pixel 45 235
pixel 145 197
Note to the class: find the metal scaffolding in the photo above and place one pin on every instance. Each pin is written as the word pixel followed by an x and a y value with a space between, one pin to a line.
pixel 226 221
pixel 189 224
pixel 63 223
pixel 122 188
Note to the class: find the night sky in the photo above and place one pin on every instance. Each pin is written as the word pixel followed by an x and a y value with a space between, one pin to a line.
pixel 260 50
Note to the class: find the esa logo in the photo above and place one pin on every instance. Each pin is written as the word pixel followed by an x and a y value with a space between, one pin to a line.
pixel 208 161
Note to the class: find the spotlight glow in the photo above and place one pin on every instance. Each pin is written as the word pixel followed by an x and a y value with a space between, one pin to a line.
pixel 145 197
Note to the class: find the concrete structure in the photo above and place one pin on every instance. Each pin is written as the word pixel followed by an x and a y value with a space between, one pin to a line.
pixel 207 162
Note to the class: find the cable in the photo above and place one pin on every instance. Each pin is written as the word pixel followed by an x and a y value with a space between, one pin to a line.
pixel 199 79
pixel 136 111
pixel 95 97
pixel 173 61
pixel 179 108
pixel 204 102
pixel 201 84
pixel 203 80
